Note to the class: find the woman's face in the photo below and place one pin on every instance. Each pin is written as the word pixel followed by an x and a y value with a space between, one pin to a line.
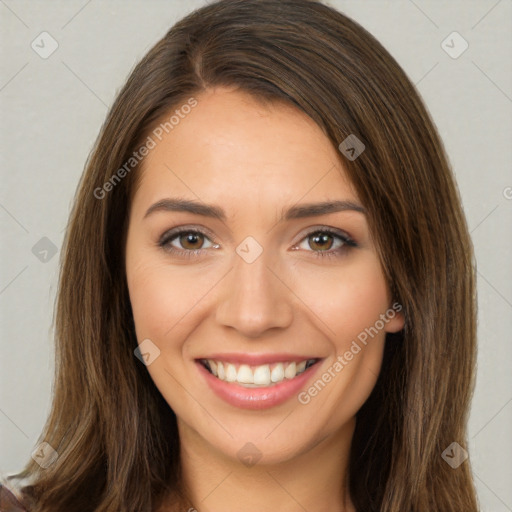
pixel 250 276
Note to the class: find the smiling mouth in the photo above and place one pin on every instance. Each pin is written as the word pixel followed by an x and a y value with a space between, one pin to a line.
pixel 261 376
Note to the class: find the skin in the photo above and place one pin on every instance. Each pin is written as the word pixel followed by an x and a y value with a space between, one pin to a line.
pixel 252 160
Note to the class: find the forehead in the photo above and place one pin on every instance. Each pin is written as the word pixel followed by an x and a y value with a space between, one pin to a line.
pixel 231 148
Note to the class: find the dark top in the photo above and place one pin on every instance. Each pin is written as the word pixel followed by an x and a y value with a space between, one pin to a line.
pixel 8 502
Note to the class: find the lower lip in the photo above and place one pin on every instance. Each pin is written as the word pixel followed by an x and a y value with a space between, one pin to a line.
pixel 257 398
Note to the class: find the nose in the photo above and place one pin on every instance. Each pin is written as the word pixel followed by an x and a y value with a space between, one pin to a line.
pixel 254 298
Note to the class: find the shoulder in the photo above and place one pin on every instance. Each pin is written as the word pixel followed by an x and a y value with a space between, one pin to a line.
pixel 9 501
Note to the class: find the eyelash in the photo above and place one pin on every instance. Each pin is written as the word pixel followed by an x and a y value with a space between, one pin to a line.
pixel 171 235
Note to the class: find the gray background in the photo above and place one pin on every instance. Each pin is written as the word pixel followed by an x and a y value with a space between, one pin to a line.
pixel 53 108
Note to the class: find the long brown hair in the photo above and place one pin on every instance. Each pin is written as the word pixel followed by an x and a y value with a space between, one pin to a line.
pixel 116 437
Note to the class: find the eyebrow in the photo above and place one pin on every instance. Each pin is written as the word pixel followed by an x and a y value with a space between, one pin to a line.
pixel 293 212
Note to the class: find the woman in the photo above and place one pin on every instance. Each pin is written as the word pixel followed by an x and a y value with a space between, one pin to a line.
pixel 267 294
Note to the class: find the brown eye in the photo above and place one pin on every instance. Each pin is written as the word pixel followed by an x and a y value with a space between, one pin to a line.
pixel 185 242
pixel 327 242
pixel 191 240
pixel 321 241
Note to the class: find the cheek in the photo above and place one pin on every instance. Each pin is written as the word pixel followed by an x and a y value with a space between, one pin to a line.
pixel 150 297
pixel 164 298
pixel 347 299
pixel 349 303
pixel 342 301
pixel 155 301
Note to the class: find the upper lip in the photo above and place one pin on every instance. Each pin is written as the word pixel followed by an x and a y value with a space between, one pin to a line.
pixel 257 359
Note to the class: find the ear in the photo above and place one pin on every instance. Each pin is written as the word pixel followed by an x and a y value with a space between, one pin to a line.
pixel 396 318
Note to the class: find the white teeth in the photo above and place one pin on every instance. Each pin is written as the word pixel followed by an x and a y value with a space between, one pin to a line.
pixel 230 372
pixel 257 376
pixel 262 375
pixel 221 373
pixel 244 375
pixel 277 374
pixel 290 371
